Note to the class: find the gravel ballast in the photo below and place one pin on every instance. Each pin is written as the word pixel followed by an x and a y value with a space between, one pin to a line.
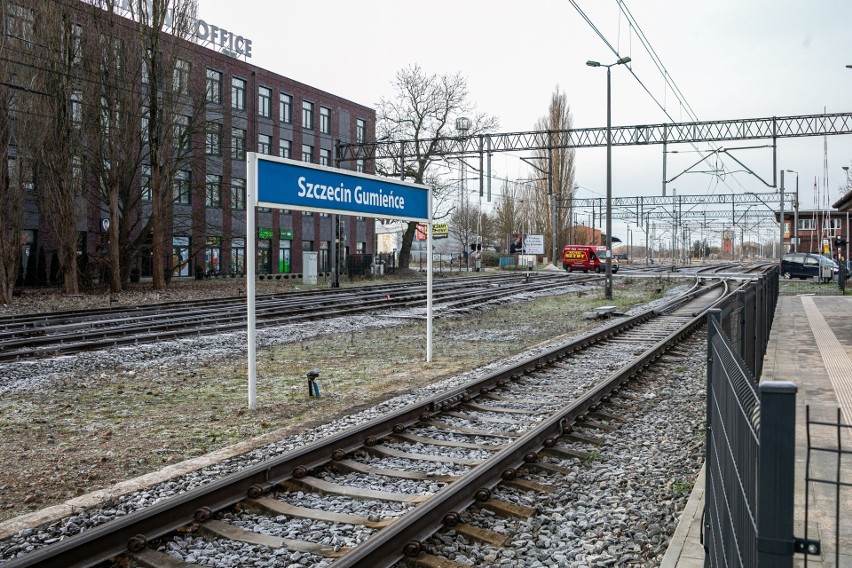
pixel 136 364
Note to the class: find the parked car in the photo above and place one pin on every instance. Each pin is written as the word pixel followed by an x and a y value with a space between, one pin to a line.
pixel 805 265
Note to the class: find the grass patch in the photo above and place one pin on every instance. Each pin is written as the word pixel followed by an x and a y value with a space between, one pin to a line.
pixel 87 432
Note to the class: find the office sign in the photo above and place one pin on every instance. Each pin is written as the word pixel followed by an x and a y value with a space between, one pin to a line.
pixel 283 183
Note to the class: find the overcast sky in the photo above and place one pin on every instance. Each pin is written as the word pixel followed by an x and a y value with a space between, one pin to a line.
pixel 730 59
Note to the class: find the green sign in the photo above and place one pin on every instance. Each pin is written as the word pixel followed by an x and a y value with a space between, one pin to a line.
pixel 285 234
pixel 265 233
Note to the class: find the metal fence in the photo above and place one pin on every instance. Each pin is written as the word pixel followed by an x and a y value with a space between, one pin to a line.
pixel 828 479
pixel 750 439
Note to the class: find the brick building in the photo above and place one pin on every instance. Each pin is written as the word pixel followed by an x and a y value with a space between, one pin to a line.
pixel 246 109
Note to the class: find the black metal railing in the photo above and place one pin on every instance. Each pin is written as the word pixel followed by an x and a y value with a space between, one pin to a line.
pixel 828 480
pixel 750 439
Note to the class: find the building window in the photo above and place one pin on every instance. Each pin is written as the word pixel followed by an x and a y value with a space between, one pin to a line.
pixel 180 187
pixel 180 256
pixel 180 78
pixel 146 183
pixel 20 22
pixel 307 213
pixel 213 139
pixel 146 124
pixel 285 148
pixel 360 247
pixel 238 193
pixel 238 93
pixel 264 102
pixel 77 43
pixel 325 157
pixel 307 153
pixel 212 253
pixel 806 224
pixel 77 108
pixel 181 132
pixel 214 87
pixel 325 120
pixel 264 144
pixel 238 144
pixel 308 245
pixel 213 197
pixel 360 165
pixel 285 108
pixel 360 130
pixel 238 256
pixel 284 266
pixel 307 115
pixel 325 215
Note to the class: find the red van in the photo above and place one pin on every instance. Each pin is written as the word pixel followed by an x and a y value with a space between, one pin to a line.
pixel 585 258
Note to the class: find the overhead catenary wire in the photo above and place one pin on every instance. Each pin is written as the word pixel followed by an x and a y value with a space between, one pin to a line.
pixel 662 70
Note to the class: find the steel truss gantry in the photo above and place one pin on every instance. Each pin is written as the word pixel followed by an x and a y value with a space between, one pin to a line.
pixel 639 135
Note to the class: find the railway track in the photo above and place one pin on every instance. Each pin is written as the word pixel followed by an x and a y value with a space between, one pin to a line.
pixel 51 334
pixel 424 464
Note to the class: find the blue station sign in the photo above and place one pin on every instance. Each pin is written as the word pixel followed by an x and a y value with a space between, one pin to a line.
pixel 284 183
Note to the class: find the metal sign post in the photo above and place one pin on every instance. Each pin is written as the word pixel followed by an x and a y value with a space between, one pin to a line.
pixel 286 184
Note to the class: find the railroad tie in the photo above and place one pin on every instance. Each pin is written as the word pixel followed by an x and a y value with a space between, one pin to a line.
pixel 224 530
pixel 150 558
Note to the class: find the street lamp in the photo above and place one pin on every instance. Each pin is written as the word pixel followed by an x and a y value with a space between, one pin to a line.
pixel 621 61
pixel 796 214
pixel 463 126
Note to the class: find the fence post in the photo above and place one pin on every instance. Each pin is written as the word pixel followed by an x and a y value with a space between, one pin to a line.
pixel 776 471
pixel 742 303
pixel 714 322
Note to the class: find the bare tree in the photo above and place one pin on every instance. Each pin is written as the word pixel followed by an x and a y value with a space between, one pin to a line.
pixel 464 221
pixel 561 169
pixel 16 113
pixel 423 107
pixel 124 182
pixel 508 211
pixel 58 151
pixel 113 138
pixel 166 97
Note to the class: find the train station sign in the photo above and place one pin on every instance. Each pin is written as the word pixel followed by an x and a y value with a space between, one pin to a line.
pixel 283 183
pixel 286 184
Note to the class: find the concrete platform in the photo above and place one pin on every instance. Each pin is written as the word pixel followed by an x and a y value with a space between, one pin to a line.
pixel 810 345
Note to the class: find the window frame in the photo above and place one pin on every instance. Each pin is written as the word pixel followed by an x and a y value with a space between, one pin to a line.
pixel 307 115
pixel 238 93
pixel 285 108
pixel 264 147
pixel 238 144
pixel 213 87
pixel 325 120
pixel 213 138
pixel 238 194
pixel 181 187
pixel 264 102
pixel 213 198
pixel 360 130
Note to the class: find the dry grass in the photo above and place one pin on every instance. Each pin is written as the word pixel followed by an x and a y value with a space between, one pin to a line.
pixel 87 434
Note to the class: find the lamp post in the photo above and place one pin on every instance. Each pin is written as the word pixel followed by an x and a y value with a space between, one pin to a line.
pixel 848 233
pixel 621 61
pixel 796 214
pixel 463 126
pixel 781 220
